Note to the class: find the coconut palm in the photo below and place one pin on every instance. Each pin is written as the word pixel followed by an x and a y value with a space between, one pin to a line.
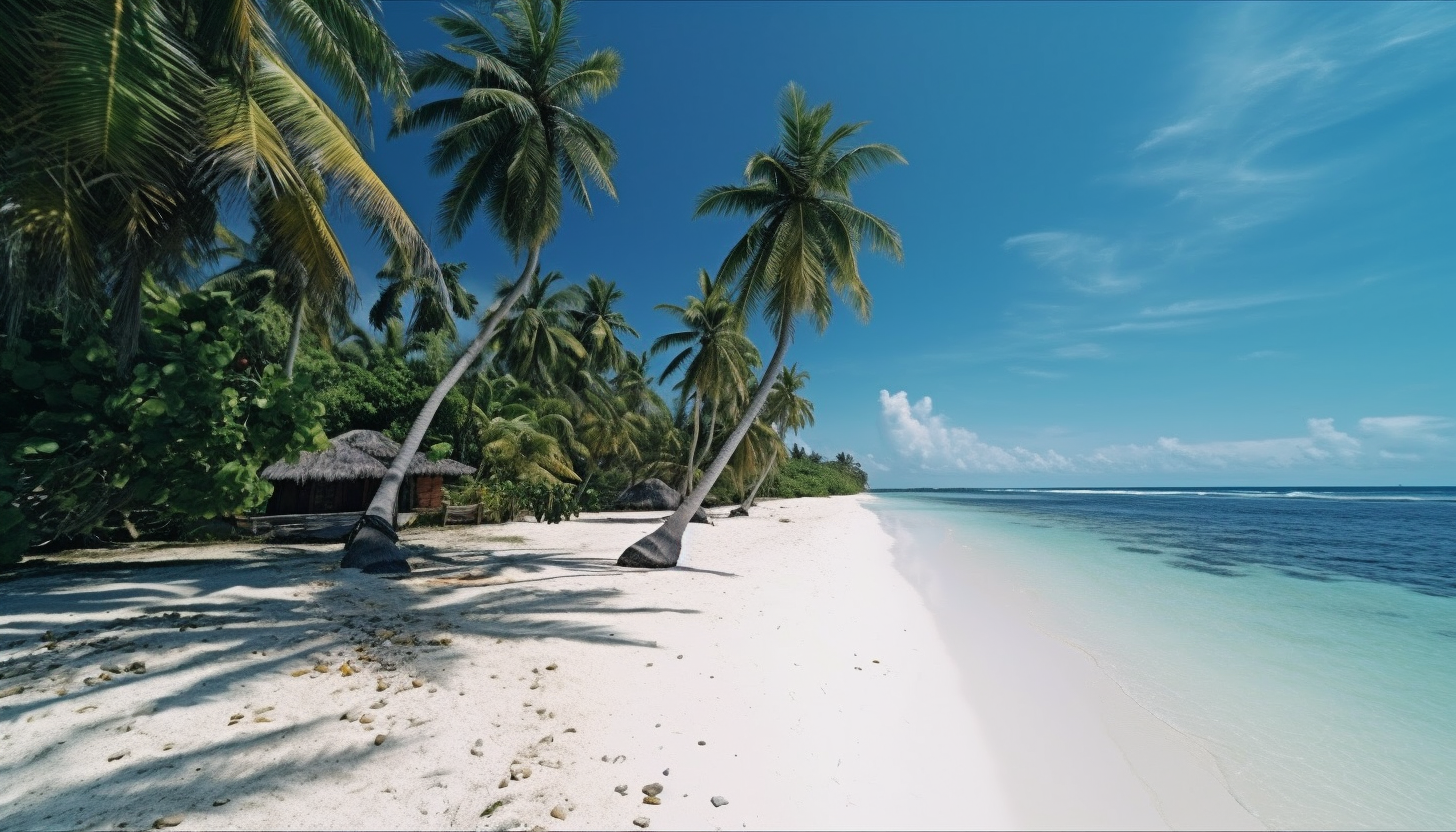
pixel 786 411
pixel 132 120
pixel 800 250
pixel 715 358
pixel 536 341
pixel 599 325
pixel 432 312
pixel 514 139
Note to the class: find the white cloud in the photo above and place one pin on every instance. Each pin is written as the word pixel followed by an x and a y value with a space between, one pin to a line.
pixel 1088 263
pixel 1208 306
pixel 923 439
pixel 928 443
pixel 1323 443
pixel 1422 429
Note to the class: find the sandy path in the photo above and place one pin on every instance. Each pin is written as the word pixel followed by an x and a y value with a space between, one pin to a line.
pixel 787 668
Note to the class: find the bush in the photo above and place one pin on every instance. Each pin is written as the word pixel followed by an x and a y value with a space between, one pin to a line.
pixel 180 436
pixel 806 477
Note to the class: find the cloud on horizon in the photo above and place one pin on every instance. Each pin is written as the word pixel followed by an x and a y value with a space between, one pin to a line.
pixel 928 443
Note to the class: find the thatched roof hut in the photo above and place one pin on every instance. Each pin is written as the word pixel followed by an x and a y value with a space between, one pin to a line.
pixel 345 477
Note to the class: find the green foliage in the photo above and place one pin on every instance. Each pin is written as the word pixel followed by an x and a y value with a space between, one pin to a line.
pixel 504 500
pixel 86 449
pixel 807 477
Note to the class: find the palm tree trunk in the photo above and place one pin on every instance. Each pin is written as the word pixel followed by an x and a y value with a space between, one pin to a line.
pixel 712 429
pixel 293 339
pixel 371 546
pixel 661 548
pixel 693 446
pixel 762 478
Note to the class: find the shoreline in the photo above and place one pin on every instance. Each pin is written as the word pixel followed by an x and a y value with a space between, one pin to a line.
pixel 1075 749
pixel 792 699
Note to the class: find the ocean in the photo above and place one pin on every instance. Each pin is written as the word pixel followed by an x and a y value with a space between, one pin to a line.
pixel 1306 637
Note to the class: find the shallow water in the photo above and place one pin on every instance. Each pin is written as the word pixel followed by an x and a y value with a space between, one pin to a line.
pixel 1305 637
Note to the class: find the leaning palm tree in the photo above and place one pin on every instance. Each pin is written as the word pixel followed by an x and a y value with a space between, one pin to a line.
pixel 514 138
pixel 801 249
pixel 786 411
pixel 715 355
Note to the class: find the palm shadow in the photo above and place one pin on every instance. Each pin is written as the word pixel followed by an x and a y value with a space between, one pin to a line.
pixel 206 627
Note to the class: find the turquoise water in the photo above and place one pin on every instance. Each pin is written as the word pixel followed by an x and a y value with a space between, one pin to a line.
pixel 1306 638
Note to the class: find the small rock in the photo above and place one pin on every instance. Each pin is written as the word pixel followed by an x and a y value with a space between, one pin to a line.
pixel 476 752
pixel 366 719
pixel 137 667
pixel 112 668
pixel 222 802
pixel 505 781
pixel 381 685
pixel 622 789
pixel 652 801
pixel 551 666
pixel 169 746
pixel 520 772
pixel 569 731
pixel 379 739
pixel 700 742
pixel 720 801
pixel 419 683
pixel 297 673
pixel 377 705
pixel 163 823
pixel 114 757
pixel 559 812
pixel 546 739
pixel 320 668
pixel 90 680
pixel 12 691
pixel 642 822
pixel 652 789
pixel 666 772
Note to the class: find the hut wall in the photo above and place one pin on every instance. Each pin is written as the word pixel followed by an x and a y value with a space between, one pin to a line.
pixel 429 492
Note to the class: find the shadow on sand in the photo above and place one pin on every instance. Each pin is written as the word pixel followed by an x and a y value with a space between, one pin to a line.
pixel 207 626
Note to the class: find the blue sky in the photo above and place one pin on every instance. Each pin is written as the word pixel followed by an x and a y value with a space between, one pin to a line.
pixel 1146 244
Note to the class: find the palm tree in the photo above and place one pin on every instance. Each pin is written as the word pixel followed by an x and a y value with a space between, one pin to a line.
pixel 799 252
pixel 535 341
pixel 786 411
pixel 599 325
pixel 715 356
pixel 432 312
pixel 132 120
pixel 515 140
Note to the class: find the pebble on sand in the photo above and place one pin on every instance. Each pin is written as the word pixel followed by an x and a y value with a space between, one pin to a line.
pixel 225 801
pixel 559 812
pixel 652 801
pixel 169 820
pixel 701 742
pixel 622 789
pixel 642 822
pixel 379 739
pixel 652 789
pixel 551 666
pixel 719 801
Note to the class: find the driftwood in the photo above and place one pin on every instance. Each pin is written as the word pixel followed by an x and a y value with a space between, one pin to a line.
pixel 464 515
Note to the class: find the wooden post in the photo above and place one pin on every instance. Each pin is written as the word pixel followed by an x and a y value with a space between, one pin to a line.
pixel 479 512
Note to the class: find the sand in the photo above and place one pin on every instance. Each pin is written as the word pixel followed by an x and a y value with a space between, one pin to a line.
pixel 788 668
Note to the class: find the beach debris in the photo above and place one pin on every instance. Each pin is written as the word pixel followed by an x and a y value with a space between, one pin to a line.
pixel 569 731
pixel 320 668
pixel 302 672
pixel 366 719
pixel 112 667
pixel 475 749
pixel 169 746
pixel 558 812
pixel 785 520
pixel 652 789
pixel 551 666
pixel 520 772
pixel 701 742
pixel 433 689
pixel 346 670
pixel 546 739
pixel 380 704
pixel 136 667
pixel 652 800
pixel 718 801
pixel 381 685
pixel 622 789
pixel 117 756
pixel 505 781
pixel 168 821
pixel 379 739
pixel 225 801
pixel 666 772
pixel 235 719
pixel 490 810
pixel 418 683
pixel 90 680
pixel 642 822
pixel 261 719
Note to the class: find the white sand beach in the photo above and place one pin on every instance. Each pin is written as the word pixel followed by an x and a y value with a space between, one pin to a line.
pixel 787 667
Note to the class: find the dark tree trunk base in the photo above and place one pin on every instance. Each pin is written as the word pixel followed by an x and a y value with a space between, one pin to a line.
pixel 659 550
pixel 374 548
pixel 701 516
pixel 738 512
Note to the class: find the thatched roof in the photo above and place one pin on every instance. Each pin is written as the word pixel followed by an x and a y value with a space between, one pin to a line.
pixel 358 455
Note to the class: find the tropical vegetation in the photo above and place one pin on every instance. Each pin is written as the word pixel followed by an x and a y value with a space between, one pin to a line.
pixel 179 313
